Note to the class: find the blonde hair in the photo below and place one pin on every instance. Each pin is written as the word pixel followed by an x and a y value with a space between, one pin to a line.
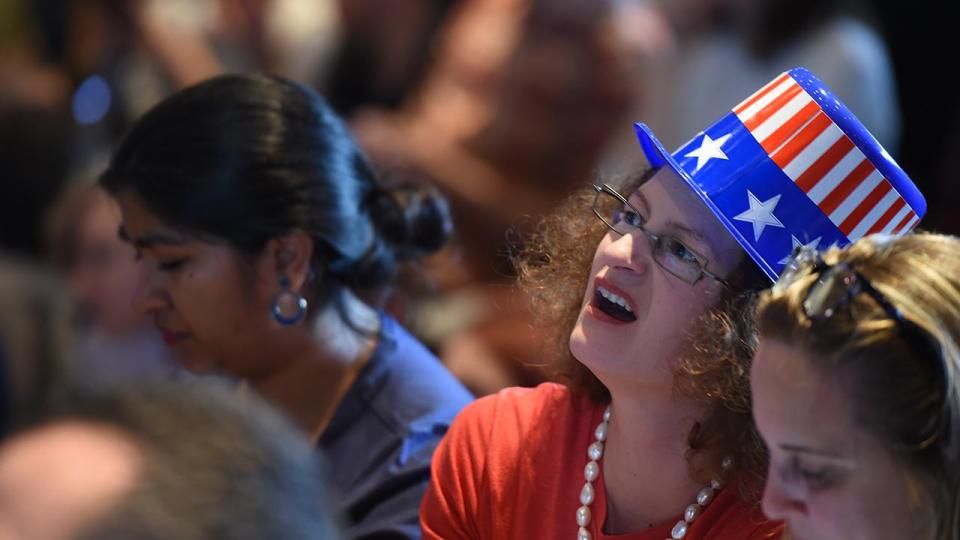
pixel 906 394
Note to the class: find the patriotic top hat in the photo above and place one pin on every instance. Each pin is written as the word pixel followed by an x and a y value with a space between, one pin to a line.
pixel 792 166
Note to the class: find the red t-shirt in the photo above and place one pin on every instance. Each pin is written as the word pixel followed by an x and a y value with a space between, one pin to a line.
pixel 512 464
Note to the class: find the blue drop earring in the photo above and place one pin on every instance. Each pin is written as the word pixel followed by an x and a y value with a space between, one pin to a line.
pixel 289 307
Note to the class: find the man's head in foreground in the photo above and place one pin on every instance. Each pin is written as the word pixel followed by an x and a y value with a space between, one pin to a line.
pixel 161 461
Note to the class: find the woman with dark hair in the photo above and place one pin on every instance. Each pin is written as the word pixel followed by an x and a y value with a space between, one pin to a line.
pixel 856 393
pixel 264 234
pixel 651 291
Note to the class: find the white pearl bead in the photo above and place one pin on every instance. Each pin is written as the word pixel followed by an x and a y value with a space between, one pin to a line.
pixel 586 494
pixel 601 432
pixel 705 496
pixel 691 512
pixel 583 516
pixel 591 471
pixel 595 451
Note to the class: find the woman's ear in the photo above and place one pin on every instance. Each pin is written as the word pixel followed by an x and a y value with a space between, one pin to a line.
pixel 289 257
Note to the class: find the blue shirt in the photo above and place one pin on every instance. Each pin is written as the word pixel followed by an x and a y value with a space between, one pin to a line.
pixel 381 438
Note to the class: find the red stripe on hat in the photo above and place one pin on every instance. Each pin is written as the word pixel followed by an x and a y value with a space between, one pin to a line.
pixel 806 135
pixel 887 216
pixel 864 207
pixel 760 93
pixel 782 133
pixel 846 186
pixel 903 222
pixel 772 107
pixel 824 163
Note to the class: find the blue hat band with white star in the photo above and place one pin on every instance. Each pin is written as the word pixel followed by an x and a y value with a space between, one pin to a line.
pixel 782 170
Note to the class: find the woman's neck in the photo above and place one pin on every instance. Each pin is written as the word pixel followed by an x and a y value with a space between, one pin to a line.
pixel 645 469
pixel 321 368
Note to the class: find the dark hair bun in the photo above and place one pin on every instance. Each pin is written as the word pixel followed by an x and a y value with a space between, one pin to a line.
pixel 426 221
pixel 413 220
pixel 409 222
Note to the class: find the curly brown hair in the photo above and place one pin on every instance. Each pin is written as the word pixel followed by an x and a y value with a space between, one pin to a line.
pixel 554 269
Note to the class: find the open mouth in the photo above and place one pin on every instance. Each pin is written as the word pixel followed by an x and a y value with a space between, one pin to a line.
pixel 613 305
pixel 171 338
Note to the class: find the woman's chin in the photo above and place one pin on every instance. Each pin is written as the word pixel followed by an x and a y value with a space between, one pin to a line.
pixel 196 365
pixel 598 356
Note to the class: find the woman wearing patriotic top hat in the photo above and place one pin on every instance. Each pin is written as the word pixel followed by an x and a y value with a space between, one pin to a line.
pixel 652 284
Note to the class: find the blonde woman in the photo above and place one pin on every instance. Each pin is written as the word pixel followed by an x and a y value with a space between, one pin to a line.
pixel 855 391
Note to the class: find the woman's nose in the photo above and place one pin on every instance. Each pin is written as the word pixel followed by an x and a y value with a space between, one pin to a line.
pixel 778 503
pixel 629 251
pixel 149 296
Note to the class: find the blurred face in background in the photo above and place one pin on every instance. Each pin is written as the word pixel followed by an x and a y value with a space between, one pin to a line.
pixel 101 269
pixel 58 480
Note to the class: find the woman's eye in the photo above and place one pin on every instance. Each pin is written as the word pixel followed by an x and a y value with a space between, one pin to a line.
pixel 632 218
pixel 681 252
pixel 815 479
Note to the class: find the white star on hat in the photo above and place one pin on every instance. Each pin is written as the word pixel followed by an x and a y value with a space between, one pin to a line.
pixel 709 149
pixel 813 244
pixel 760 214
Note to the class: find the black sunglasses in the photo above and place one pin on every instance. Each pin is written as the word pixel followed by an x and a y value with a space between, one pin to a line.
pixel 836 287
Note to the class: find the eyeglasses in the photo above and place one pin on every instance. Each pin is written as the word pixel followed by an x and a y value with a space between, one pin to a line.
pixel 668 252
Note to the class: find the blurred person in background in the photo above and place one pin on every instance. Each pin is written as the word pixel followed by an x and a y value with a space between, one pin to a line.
pixel 34 156
pixel 113 341
pixel 36 336
pixel 162 461
pixel 34 161
pixel 855 391
pixel 146 49
pixel 75 73
pixel 715 51
pixel 268 243
pixel 380 54
pixel 35 130
pixel 521 97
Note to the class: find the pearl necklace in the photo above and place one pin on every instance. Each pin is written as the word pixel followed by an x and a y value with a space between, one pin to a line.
pixel 592 471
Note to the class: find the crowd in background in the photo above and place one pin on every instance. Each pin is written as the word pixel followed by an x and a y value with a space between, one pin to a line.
pixel 505 106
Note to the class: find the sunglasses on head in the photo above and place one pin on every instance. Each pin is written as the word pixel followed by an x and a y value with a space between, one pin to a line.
pixel 836 287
